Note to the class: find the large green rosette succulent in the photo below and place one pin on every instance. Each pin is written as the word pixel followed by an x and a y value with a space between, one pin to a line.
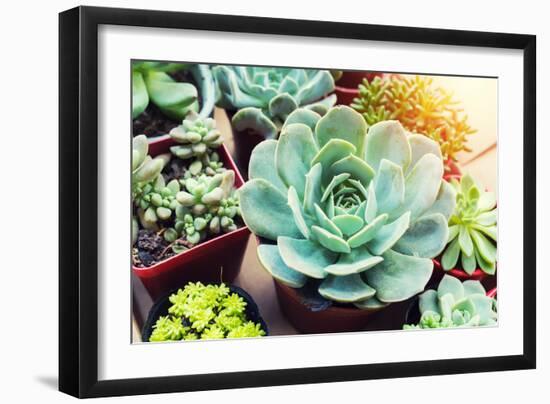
pixel 361 215
pixel 263 97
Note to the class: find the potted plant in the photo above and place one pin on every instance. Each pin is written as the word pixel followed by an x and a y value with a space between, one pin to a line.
pixel 259 99
pixel 204 312
pixel 164 93
pixel 471 252
pixel 356 218
pixel 347 84
pixel 453 304
pixel 420 107
pixel 186 215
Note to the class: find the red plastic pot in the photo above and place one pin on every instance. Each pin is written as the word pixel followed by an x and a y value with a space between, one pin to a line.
pixel 330 320
pixel 452 170
pixel 215 260
pixel 347 86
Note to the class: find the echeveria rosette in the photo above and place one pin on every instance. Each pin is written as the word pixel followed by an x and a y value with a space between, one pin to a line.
pixel 456 304
pixel 472 229
pixel 263 97
pixel 363 214
pixel 151 82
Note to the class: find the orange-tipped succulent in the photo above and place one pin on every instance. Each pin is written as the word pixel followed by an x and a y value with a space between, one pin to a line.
pixel 421 108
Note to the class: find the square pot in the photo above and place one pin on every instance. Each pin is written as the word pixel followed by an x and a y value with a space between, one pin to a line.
pixel 215 260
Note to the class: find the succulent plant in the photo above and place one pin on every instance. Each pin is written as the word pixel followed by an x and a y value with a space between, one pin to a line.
pixel 151 82
pixel 361 214
pixel 456 304
pixel 196 137
pixel 264 96
pixel 472 229
pixel 205 312
pixel 419 106
pixel 156 201
pixel 145 169
pixel 202 193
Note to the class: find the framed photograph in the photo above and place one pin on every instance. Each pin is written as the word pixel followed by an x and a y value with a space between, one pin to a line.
pixel 251 202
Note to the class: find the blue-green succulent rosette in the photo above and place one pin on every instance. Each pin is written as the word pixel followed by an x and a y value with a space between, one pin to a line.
pixel 263 97
pixel 359 215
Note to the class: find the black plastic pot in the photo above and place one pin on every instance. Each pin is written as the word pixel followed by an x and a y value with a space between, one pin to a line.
pixel 161 306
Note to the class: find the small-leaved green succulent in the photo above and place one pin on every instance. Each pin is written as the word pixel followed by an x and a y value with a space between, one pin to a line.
pixel 263 97
pixel 455 304
pixel 472 229
pixel 196 137
pixel 361 214
pixel 205 312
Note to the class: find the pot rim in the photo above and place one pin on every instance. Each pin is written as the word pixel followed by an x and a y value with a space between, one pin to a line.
pixel 149 271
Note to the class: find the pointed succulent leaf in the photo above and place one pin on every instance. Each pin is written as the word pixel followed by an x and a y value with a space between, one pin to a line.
pixel 296 207
pixel 465 241
pixel 486 248
pixel 399 276
pixel 468 263
pixel 262 164
pixel 346 289
pixel 425 238
pixel 254 120
pixel 356 167
pixel 358 260
pixel 368 232
pixel 445 201
pixel 388 140
pixel 348 224
pixel 265 210
pixel 421 145
pixel 450 256
pixel 332 151
pixel 327 223
pixel 295 150
pixel 271 260
pixel 389 234
pixel 389 186
pixel 342 122
pixel 305 256
pixel 140 98
pixel 330 241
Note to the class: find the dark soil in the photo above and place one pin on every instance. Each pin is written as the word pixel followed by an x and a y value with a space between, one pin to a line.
pixel 152 122
pixel 176 169
pixel 150 248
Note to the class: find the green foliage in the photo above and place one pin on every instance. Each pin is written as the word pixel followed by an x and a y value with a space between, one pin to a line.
pixel 151 82
pixel 205 312
pixel 472 229
pixel 455 304
pixel 419 106
pixel 263 97
pixel 363 214
pixel 196 137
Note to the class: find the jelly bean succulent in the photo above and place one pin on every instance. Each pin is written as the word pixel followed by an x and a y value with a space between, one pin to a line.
pixel 157 201
pixel 419 106
pixel 196 137
pixel 205 312
pixel 455 304
pixel 151 82
pixel 263 97
pixel 472 229
pixel 362 215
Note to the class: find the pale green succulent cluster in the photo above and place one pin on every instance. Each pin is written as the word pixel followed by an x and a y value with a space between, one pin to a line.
pixel 263 97
pixel 205 205
pixel 151 82
pixel 361 214
pixel 456 304
pixel 196 137
pixel 472 229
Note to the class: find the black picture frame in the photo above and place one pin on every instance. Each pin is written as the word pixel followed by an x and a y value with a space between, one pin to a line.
pixel 78 207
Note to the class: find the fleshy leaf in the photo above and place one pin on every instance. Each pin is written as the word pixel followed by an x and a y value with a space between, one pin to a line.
pixel 262 164
pixel 331 152
pixel 486 248
pixel 282 105
pixel 468 263
pixel 399 276
pixel 444 202
pixel 330 241
pixel 465 241
pixel 326 223
pixel 140 98
pixel 450 256
pixel 305 116
pixel 370 304
pixel 357 168
pixel 389 234
pixel 296 207
pixel 428 301
pixel 388 140
pixel 368 232
pixel 295 150
pixel 305 256
pixel 422 185
pixel 389 186
pixel 346 289
pixel 342 122
pixel 358 260
pixel 313 191
pixel 450 284
pixel 270 259
pixel 254 120
pixel 425 238
pixel 473 287
pixel 422 145
pixel 265 211
pixel 348 224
